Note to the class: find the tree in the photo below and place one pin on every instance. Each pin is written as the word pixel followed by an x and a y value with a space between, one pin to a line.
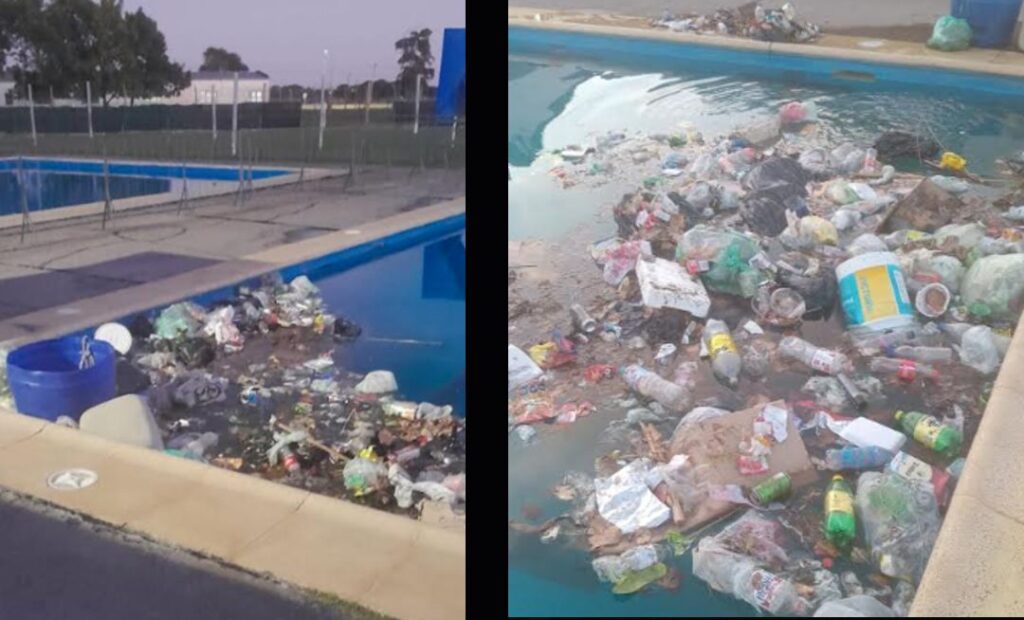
pixel 147 71
pixel 415 60
pixel 219 59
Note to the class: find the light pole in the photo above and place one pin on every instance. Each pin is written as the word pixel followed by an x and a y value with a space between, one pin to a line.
pixel 323 100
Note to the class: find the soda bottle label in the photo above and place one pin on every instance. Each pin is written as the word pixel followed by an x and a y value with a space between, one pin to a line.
pixel 907 371
pixel 823 360
pixel 838 501
pixel 719 343
pixel 910 467
pixel 927 431
pixel 766 587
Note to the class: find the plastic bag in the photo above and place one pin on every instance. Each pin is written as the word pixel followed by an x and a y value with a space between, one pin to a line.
pixel 997 283
pixel 967 235
pixel 857 606
pixel 950 34
pixel 952 185
pixel 521 369
pixel 815 161
pixel 979 351
pixel 184 318
pixel 613 568
pixel 797 112
pixel 900 520
pixel 847 159
pixel 841 192
pixel 363 475
pixel 220 325
pixel 866 243
pixel 820 229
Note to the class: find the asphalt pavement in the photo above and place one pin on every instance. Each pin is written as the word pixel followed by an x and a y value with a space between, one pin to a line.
pixel 56 566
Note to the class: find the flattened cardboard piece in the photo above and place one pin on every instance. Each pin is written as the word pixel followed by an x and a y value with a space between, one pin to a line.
pixel 713 446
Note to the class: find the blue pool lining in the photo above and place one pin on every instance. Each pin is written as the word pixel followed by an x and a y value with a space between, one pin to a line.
pixel 165 171
pixel 316 268
pixel 660 55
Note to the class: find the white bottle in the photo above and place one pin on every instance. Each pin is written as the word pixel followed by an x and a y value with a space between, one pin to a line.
pixel 725 357
pixel 924 354
pixel 822 360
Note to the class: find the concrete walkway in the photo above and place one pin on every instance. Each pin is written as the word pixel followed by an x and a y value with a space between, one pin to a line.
pixel 59 566
pixel 904 20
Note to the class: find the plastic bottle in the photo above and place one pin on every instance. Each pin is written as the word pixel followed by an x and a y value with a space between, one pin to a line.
pixel 930 432
pixel 854 457
pixel 823 360
pixel 767 591
pixel 923 354
pixel 840 522
pixel 904 370
pixel 725 357
pixel 649 384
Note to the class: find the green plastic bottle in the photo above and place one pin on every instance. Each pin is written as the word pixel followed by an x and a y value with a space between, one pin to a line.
pixel 840 521
pixel 930 432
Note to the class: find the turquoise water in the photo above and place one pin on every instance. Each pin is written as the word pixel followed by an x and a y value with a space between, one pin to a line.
pixel 553 104
pixel 556 100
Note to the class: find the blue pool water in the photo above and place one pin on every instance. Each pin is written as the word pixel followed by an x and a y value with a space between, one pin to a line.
pixel 50 183
pixel 412 308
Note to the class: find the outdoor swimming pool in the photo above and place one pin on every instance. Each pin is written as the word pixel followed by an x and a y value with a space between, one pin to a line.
pixel 567 89
pixel 52 183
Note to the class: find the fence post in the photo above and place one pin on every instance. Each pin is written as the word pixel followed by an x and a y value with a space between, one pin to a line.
pixel 241 181
pixel 416 120
pixel 183 201
pixel 369 100
pixel 108 208
pixel 234 118
pixel 455 124
pixel 213 109
pixel 32 116
pixel 88 105
pixel 26 223
pixel 323 112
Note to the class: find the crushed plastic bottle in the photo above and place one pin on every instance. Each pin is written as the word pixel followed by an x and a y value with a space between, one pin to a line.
pixel 905 370
pixel 649 384
pixel 725 358
pixel 854 457
pixel 822 360
pixel 923 354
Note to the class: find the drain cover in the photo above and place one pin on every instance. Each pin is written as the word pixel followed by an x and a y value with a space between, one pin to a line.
pixel 72 479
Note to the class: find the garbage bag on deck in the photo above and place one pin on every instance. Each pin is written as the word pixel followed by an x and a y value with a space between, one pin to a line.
pixel 950 34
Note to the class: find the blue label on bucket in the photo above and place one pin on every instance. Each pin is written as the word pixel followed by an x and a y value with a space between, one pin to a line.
pixel 874 293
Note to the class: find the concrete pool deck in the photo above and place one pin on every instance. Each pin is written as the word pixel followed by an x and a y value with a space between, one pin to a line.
pixel 391 564
pixel 975 567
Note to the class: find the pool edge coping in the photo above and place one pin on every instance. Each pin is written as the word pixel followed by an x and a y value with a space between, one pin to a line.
pixel 918 56
pixel 412 569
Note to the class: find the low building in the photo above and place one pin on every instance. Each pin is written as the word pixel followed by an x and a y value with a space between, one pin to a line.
pixel 209 86
pixel 6 88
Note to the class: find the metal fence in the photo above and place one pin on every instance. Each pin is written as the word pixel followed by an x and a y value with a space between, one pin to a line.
pixel 75 119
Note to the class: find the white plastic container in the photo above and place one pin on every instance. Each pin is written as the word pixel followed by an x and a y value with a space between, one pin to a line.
pixel 873 293
pixel 864 432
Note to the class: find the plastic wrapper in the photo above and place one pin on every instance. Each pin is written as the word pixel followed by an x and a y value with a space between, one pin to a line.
pixel 625 500
pixel 614 568
pixel 184 318
pixel 979 351
pixel 901 521
pixel 363 475
pixel 521 369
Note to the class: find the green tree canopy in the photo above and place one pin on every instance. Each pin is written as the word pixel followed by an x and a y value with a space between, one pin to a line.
pixel 219 59
pixel 415 59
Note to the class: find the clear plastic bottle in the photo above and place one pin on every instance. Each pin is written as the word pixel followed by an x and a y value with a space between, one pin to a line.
pixel 903 369
pixel 767 591
pixel 924 354
pixel 725 357
pixel 198 446
pixel 855 457
pixel 651 385
pixel 823 360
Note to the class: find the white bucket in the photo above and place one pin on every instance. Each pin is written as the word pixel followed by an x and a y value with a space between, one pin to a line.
pixel 873 293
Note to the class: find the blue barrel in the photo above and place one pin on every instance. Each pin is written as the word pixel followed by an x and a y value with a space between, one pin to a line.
pixel 46 382
pixel 992 21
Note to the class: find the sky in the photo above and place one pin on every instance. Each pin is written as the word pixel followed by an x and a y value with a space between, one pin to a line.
pixel 286 38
